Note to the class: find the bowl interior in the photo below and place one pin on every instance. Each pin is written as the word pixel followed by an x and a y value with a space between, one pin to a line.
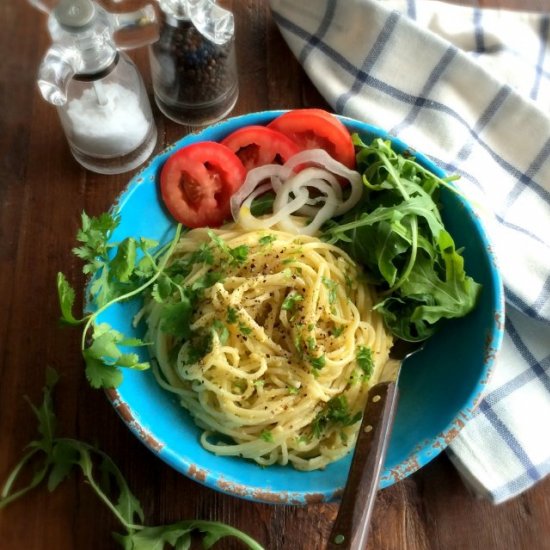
pixel 439 387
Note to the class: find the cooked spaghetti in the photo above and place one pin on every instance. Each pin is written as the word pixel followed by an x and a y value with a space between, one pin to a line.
pixel 281 347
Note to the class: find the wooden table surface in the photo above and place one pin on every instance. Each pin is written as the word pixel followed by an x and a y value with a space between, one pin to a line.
pixel 42 192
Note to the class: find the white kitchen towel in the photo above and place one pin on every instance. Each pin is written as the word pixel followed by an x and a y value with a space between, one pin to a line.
pixel 470 88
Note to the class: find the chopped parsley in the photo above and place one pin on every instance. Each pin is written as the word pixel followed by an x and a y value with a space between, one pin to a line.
pixel 231 315
pixel 267 240
pixel 318 362
pixel 291 300
pixel 266 435
pixel 335 412
pixel 243 329
pixel 365 361
pixel 331 287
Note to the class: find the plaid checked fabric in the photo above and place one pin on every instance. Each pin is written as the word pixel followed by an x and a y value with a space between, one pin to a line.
pixel 470 88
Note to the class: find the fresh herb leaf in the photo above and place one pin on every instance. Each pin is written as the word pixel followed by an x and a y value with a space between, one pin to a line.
pixel 58 457
pixel 290 302
pixel 123 264
pixel 177 316
pixel 267 240
pixel 396 232
pixel 263 204
pixel 221 331
pixel 243 329
pixel 335 412
pixel 66 296
pixel 318 362
pixel 364 361
pixel 266 435
pixel 232 317
pixel 332 287
pixel 237 255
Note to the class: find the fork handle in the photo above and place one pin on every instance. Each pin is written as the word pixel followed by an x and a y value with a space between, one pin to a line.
pixel 350 529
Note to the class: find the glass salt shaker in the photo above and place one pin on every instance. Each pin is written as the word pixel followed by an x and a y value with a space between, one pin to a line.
pixel 99 94
pixel 193 63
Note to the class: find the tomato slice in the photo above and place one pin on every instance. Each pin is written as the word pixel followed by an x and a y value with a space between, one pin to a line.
pixel 258 145
pixel 197 183
pixel 317 129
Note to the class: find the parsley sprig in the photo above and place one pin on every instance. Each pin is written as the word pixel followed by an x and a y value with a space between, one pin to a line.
pixel 118 274
pixel 54 458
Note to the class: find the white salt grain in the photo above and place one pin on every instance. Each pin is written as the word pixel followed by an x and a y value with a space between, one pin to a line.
pixel 115 128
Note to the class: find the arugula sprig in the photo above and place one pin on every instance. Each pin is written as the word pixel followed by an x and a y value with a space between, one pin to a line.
pixel 118 273
pixel 397 234
pixel 54 459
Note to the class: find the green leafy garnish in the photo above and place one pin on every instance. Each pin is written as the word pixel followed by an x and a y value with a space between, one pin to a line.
pixel 54 458
pixel 289 303
pixel 266 435
pixel 332 287
pixel 335 412
pixel 237 255
pixel 365 361
pixel 318 362
pixel 397 234
pixel 232 317
pixel 118 274
pixel 267 240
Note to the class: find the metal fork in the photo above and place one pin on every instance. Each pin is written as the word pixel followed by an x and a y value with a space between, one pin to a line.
pixel 350 529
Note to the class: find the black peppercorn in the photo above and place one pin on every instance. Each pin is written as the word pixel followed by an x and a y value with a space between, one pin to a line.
pixel 195 80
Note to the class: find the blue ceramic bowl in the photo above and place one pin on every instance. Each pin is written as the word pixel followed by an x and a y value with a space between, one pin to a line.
pixel 440 387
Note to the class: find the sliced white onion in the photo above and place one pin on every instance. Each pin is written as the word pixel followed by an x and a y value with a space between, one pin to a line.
pixel 248 221
pixel 293 193
pixel 252 180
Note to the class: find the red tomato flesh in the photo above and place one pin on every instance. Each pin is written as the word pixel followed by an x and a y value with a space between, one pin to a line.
pixel 317 129
pixel 258 145
pixel 197 183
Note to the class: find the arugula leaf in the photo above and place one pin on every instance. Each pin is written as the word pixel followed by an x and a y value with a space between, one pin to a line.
pixel 263 204
pixel 397 234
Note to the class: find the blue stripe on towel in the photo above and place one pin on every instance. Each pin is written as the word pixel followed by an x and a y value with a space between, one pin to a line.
pixel 478 31
pixel 483 120
pixel 525 179
pixel 431 81
pixel 323 27
pixel 540 62
pixel 521 482
pixel 374 53
pixel 399 95
pixel 508 437
pixel 522 306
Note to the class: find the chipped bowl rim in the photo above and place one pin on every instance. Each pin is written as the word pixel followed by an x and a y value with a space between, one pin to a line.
pixel 423 453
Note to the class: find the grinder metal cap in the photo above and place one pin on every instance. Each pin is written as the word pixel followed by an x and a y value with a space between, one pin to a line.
pixel 74 14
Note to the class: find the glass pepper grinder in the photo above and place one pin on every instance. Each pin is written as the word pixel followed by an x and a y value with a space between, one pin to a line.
pixel 97 89
pixel 193 63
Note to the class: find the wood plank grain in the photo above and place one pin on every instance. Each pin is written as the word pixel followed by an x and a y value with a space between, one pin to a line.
pixel 42 192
